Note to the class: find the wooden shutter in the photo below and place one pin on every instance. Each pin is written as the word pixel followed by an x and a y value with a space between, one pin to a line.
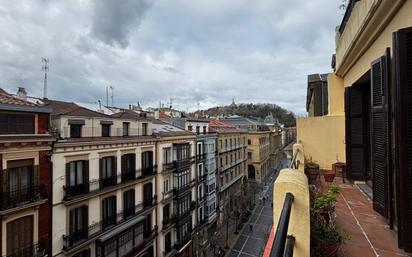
pixel 402 103
pixel 86 175
pixel 114 166
pixel 85 217
pixel 379 133
pixel 355 133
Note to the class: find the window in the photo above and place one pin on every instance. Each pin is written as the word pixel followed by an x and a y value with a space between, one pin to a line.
pixel 197 129
pixel 166 212
pixel 183 205
pixel 108 171
pixel 129 203
pixel 110 249
pixel 168 242
pixel 109 211
pixel 105 130
pixel 19 180
pixel 144 129
pixel 199 149
pixel 147 163
pixel 77 173
pixel 128 166
pixel 19 236
pixel 182 152
pixel 181 179
pixel 138 234
pixel 230 142
pixel 166 185
pixel 200 170
pixel 190 128
pixel 84 253
pixel 225 143
pixel 166 155
pixel 204 129
pixel 249 142
pixel 147 195
pixel 125 128
pixel 249 155
pixel 79 223
pixel 75 130
pixel 16 124
pixel 183 232
pixel 125 243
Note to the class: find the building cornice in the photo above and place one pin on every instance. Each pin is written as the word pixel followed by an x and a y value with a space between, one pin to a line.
pixel 378 17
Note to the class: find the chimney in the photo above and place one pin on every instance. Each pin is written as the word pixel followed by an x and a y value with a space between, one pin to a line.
pixel 21 93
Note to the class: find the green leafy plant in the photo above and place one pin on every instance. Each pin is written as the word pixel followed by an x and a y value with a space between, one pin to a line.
pixel 326 236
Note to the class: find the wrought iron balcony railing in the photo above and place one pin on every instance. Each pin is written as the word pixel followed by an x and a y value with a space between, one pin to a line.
pixel 38 249
pixel 74 238
pixel 72 191
pixel 21 196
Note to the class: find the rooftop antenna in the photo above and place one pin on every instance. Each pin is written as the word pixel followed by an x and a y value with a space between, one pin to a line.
pixel 112 88
pixel 107 95
pixel 45 68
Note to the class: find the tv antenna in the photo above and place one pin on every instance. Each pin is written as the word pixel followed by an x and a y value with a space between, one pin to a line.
pixel 45 68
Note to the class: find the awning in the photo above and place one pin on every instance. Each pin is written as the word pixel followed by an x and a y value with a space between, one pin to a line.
pixel 120 228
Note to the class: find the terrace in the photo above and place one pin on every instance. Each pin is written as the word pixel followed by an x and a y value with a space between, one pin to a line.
pixel 365 231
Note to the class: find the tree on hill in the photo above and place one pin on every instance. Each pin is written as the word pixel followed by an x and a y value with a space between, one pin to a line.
pixel 254 110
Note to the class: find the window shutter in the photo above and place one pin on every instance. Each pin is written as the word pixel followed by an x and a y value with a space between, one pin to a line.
pixel 85 217
pixel 379 133
pixel 355 129
pixel 67 175
pixel 72 221
pixel 86 174
pixel 402 102
pixel 123 163
pixel 114 166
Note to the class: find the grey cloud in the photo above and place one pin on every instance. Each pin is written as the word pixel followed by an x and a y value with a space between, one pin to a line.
pixel 114 20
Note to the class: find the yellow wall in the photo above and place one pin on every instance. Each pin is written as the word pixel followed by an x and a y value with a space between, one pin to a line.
pixel 336 95
pixel 322 139
pixel 402 19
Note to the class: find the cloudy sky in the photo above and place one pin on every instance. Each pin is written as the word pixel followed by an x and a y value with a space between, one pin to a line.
pixel 197 52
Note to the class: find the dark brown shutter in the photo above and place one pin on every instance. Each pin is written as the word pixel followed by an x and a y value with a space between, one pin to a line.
pixel 86 174
pixel 123 164
pixel 85 217
pixel 67 175
pixel 72 221
pixel 402 103
pixel 379 134
pixel 355 133
pixel 114 167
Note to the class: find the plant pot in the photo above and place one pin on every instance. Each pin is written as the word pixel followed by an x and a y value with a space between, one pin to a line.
pixel 329 176
pixel 312 172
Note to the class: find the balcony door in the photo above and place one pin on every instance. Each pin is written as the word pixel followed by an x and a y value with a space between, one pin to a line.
pixel 147 195
pixel 20 178
pixel 20 237
pixel 147 163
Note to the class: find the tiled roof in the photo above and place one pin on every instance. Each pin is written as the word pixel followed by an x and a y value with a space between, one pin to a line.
pixel 220 126
pixel 6 98
pixel 66 108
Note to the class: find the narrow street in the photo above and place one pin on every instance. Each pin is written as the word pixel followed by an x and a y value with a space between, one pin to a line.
pixel 251 242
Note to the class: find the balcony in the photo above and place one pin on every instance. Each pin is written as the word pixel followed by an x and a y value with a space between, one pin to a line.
pixel 87 132
pixel 169 222
pixel 96 185
pixel 27 195
pixel 359 228
pixel 92 231
pixel 36 250
pixel 167 195
pixel 181 190
pixel 181 244
pixel 201 178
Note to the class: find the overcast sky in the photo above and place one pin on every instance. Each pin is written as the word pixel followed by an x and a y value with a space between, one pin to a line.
pixel 198 52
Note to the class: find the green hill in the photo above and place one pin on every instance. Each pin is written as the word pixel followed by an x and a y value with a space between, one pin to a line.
pixel 254 110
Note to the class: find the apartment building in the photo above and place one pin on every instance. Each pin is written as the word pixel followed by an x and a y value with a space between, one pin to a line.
pixel 258 154
pixel 369 116
pixel 232 165
pixel 104 183
pixel 26 177
pixel 177 186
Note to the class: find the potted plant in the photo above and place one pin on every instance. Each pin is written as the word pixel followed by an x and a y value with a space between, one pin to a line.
pixel 311 171
pixel 328 175
pixel 326 236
